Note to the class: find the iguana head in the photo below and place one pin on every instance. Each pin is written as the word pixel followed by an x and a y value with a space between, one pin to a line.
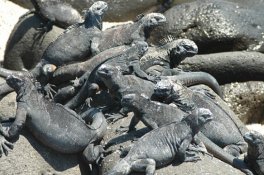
pixel 16 82
pixel 180 49
pixel 106 71
pixel 98 8
pixel 199 118
pixel 153 19
pixel 163 89
pixel 141 47
pixel 254 138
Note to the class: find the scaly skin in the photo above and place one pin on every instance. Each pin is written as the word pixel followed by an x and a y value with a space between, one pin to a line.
pixel 128 63
pixel 49 122
pixel 145 155
pixel 81 39
pixel 154 114
pixel 255 153
pixel 225 120
pixel 126 34
pixel 167 56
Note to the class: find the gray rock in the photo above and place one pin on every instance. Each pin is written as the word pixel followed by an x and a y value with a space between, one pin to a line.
pixel 27 43
pixel 207 165
pixel 119 10
pixel 214 25
pixel 246 100
pixel 227 67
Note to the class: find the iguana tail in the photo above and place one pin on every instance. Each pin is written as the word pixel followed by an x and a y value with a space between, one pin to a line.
pixel 194 78
pixel 5 72
pixel 224 156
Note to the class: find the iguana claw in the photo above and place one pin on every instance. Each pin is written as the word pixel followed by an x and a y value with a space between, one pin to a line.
pixel 5 146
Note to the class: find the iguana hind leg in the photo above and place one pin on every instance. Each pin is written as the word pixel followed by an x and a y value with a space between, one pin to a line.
pixel 144 165
pixel 93 153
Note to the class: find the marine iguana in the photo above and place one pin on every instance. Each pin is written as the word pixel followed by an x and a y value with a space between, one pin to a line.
pixel 115 80
pixel 173 139
pixel 56 12
pixel 255 153
pixel 127 62
pixel 225 120
pixel 57 127
pixel 127 33
pixel 81 39
pixel 84 36
pixel 154 115
pixel 168 55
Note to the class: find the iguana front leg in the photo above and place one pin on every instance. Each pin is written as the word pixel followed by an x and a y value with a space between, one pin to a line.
pixel 13 131
pixel 185 156
pixel 15 128
pixel 93 154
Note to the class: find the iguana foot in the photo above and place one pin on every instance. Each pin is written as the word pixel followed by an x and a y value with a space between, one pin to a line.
pixel 122 129
pixel 5 146
pixel 114 117
pixel 198 148
pixel 49 91
pixel 191 157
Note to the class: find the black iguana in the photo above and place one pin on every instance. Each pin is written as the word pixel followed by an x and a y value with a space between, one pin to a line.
pixel 154 114
pixel 54 125
pixel 163 145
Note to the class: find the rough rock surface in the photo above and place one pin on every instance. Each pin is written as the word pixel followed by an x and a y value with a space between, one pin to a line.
pixel 214 25
pixel 227 67
pixel 119 10
pixel 207 165
pixel 246 100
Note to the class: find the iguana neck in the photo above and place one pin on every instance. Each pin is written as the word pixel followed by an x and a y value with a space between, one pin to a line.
pixel 93 20
pixel 175 60
pixel 24 93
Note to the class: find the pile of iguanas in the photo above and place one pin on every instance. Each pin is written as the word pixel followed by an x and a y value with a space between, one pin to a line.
pixel 87 77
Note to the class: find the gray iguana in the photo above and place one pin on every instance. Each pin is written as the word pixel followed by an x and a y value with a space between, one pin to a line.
pixel 168 55
pixel 163 145
pixel 255 153
pixel 127 62
pixel 127 33
pixel 54 125
pixel 80 40
pixel 225 120
pixel 154 115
